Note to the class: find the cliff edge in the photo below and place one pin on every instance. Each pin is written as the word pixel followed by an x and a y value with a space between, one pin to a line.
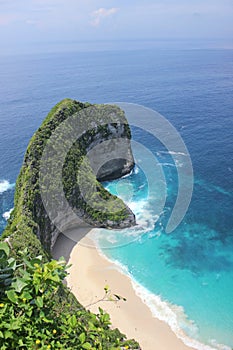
pixel 77 146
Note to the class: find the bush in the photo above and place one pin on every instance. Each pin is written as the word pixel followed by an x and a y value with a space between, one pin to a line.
pixel 35 312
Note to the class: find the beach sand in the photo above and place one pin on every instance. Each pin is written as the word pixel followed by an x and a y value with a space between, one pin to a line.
pixel 90 273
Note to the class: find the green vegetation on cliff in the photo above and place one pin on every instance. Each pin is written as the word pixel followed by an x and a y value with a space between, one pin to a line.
pixel 37 311
pixel 29 217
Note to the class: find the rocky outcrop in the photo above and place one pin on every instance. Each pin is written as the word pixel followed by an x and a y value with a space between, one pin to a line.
pixel 112 158
pixel 76 146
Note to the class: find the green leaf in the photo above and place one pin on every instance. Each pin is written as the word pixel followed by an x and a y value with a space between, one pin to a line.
pixel 37 260
pixel 26 275
pixel 55 278
pixel 42 314
pixel 21 343
pixel 28 263
pixel 106 317
pixel 73 321
pixel 4 247
pixel 15 325
pixel 12 296
pixel 26 295
pixel 82 338
pixel 8 334
pixel 29 313
pixel 101 311
pixel 91 326
pixel 86 346
pixel 46 320
pixel 12 263
pixel 39 302
pixel 19 284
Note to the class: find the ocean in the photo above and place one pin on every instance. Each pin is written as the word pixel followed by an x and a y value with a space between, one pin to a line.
pixel 186 276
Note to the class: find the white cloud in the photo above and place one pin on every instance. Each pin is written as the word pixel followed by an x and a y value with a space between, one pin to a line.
pixel 102 13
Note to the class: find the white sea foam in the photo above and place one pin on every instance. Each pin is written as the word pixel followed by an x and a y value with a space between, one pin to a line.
pixel 142 186
pixel 136 170
pixel 127 175
pixel 177 153
pixel 167 164
pixel 5 186
pixel 219 346
pixel 145 218
pixel 173 315
pixel 173 153
pixel 144 215
pixel 7 214
pixel 179 164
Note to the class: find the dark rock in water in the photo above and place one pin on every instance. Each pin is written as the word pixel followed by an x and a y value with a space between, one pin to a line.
pixel 115 169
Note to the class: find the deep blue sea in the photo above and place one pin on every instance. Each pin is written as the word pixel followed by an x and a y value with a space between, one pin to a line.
pixel 186 277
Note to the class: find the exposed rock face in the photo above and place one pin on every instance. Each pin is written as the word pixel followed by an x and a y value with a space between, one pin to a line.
pixel 112 158
pixel 101 152
pixel 114 169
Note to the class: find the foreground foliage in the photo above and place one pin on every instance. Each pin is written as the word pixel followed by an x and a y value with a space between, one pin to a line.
pixel 36 311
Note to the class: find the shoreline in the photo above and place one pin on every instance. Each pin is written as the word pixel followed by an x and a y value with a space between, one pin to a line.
pixel 91 272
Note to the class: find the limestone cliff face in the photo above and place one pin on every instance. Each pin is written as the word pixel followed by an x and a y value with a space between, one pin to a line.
pixel 111 157
pixel 100 151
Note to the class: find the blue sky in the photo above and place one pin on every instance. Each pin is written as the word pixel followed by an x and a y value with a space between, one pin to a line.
pixel 26 22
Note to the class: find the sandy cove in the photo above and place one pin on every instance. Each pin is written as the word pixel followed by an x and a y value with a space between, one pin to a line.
pixel 91 272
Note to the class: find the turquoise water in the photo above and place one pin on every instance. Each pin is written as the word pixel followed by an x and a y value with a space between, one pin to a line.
pixel 186 277
pixel 190 269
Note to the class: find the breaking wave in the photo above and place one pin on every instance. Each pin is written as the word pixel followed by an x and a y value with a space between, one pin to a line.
pixel 5 186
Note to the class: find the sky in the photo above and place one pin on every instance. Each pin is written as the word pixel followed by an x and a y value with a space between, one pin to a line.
pixel 24 23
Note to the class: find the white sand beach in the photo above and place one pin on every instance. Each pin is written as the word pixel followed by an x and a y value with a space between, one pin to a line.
pixel 89 274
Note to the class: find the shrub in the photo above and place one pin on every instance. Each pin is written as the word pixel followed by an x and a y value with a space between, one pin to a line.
pixel 35 312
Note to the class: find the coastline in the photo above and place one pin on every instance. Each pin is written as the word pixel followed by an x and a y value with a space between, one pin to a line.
pixel 90 273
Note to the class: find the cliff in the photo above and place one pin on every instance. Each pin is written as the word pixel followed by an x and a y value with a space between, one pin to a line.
pixel 77 145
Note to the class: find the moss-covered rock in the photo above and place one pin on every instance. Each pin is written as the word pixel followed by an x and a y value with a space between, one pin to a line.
pixel 57 185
